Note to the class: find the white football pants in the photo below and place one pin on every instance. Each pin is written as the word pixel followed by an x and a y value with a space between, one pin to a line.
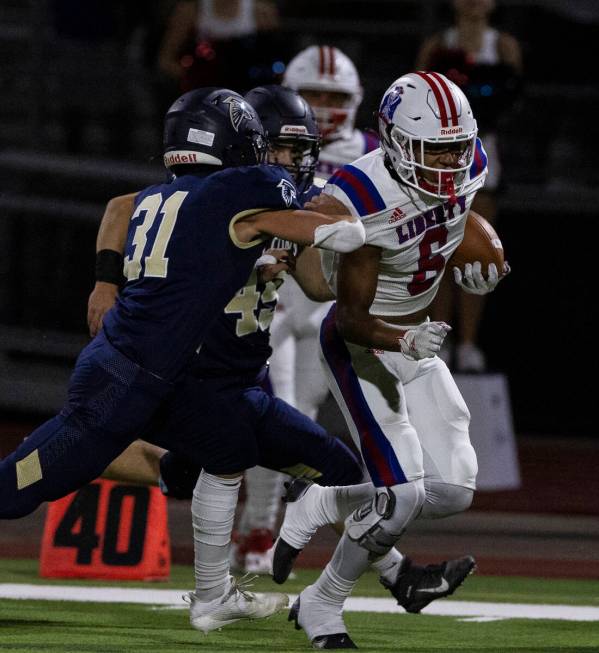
pixel 408 417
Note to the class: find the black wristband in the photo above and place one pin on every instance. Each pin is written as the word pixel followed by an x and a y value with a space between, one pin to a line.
pixel 109 266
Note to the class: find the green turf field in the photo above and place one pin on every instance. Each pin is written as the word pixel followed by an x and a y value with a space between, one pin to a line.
pixel 110 627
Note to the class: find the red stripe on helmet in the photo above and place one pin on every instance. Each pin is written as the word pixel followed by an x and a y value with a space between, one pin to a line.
pixel 331 60
pixel 438 97
pixel 449 95
pixel 321 60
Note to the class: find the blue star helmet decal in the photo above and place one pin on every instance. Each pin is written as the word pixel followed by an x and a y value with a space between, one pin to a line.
pixel 390 102
pixel 288 192
pixel 238 111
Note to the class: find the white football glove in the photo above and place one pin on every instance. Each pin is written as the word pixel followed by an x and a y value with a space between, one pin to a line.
pixel 424 341
pixel 473 281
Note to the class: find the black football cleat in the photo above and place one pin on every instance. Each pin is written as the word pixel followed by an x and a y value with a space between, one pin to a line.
pixel 417 586
pixel 284 554
pixel 338 640
pixel 335 640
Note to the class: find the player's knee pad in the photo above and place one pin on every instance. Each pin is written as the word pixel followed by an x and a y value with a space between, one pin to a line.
pixel 377 525
pixel 178 476
pixel 443 500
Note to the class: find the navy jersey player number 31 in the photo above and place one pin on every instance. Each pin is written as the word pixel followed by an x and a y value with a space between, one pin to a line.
pixel 192 244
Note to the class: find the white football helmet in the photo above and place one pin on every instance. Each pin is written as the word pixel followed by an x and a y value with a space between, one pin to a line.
pixel 325 68
pixel 423 109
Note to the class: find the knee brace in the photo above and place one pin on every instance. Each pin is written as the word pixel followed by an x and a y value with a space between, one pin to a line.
pixel 378 524
pixel 443 500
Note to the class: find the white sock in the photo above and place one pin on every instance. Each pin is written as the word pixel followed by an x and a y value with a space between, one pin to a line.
pixel 212 514
pixel 263 492
pixel 388 566
pixel 336 503
pixel 348 563
pixel 321 506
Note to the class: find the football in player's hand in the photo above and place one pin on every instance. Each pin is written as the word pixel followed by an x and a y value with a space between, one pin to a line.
pixel 481 243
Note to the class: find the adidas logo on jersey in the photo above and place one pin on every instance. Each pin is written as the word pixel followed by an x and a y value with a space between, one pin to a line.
pixel 397 215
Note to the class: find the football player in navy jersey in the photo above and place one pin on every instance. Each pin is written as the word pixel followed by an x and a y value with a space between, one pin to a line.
pixel 191 244
pixel 229 369
pixel 293 141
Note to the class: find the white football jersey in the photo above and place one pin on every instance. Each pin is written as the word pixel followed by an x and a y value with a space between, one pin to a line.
pixel 344 150
pixel 417 234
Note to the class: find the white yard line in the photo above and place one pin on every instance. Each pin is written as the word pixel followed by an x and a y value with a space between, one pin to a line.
pixel 478 611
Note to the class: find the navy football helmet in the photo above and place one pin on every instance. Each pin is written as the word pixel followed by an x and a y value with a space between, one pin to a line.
pixel 212 127
pixel 289 122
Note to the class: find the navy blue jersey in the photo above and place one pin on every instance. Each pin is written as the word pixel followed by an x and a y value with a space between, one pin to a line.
pixel 183 263
pixel 239 340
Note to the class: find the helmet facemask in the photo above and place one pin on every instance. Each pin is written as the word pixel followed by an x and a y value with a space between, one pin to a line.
pixel 408 157
pixel 336 122
pixel 303 155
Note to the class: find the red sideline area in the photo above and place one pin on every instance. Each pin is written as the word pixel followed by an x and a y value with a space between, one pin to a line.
pixel 547 528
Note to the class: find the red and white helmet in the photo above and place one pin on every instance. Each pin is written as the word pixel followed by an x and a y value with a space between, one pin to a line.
pixel 427 108
pixel 325 68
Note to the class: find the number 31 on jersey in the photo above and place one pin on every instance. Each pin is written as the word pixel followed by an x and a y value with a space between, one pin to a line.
pixel 155 264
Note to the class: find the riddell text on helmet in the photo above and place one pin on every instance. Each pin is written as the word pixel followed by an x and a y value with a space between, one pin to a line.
pixel 451 131
pixel 180 156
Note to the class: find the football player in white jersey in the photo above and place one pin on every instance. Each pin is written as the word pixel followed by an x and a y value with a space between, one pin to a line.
pixel 328 80
pixel 379 351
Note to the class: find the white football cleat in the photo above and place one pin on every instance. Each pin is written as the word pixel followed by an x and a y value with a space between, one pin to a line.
pixel 235 604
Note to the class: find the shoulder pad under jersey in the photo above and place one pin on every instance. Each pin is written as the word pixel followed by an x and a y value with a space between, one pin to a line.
pixel 364 185
pixel 261 186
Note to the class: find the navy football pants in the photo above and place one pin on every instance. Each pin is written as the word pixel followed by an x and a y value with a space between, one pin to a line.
pixel 110 401
pixel 285 439
pixel 227 425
